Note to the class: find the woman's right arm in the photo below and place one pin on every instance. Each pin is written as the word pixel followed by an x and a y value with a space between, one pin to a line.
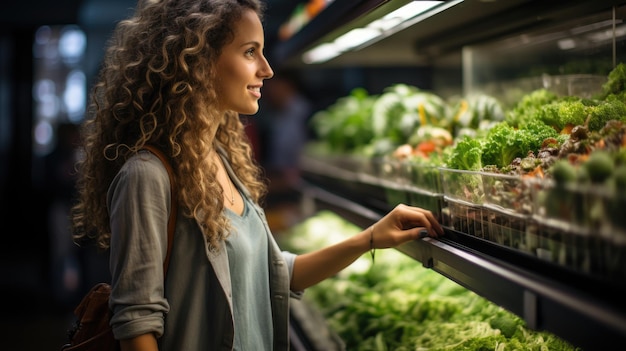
pixel 145 342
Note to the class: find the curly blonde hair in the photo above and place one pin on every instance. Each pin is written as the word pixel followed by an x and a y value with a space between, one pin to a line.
pixel 156 87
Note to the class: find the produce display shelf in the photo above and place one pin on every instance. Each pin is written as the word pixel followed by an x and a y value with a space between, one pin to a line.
pixel 587 312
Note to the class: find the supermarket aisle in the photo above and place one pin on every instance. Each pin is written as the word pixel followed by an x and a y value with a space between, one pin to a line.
pixel 31 318
pixel 35 315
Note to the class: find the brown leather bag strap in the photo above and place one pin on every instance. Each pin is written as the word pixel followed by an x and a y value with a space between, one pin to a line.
pixel 171 222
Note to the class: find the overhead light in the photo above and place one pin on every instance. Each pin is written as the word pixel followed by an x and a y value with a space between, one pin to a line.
pixel 607 35
pixel 376 30
pixel 566 44
pixel 411 10
pixel 321 53
pixel 355 38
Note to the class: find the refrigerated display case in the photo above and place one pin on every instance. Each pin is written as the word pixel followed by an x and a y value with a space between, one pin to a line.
pixel 507 49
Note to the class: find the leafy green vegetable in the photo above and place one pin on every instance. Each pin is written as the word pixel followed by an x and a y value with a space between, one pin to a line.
pixel 506 323
pixel 503 143
pixel 616 81
pixel 347 124
pixel 399 305
pixel 466 155
pixel 610 109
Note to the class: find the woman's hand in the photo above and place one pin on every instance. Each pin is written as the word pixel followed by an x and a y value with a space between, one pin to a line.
pixel 402 224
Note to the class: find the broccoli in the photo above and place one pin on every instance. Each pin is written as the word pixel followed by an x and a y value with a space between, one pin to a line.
pixel 529 106
pixel 610 109
pixel 465 154
pixel 503 144
pixel 564 113
pixel 539 132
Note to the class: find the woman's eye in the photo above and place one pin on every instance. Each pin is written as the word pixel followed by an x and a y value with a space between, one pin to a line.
pixel 250 52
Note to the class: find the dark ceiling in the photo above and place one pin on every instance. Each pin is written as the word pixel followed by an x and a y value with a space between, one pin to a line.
pixel 28 14
pixel 24 14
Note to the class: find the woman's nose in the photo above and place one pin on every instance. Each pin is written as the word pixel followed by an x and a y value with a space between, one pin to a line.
pixel 266 70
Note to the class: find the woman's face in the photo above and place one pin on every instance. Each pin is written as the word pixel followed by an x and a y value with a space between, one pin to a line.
pixel 242 67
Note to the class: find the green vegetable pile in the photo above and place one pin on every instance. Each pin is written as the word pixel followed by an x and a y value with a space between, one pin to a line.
pixel 378 125
pixel 551 166
pixel 346 126
pixel 375 125
pixel 397 304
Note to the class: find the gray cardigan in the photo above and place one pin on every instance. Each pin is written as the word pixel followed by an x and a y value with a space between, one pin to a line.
pixel 193 309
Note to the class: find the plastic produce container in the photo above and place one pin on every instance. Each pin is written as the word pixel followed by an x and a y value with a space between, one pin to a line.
pixel 464 197
pixel 584 227
pixel 425 189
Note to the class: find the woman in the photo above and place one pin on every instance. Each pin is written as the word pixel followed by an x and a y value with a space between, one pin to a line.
pixel 177 75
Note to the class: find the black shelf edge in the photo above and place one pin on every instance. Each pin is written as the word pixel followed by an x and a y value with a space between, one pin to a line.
pixel 583 319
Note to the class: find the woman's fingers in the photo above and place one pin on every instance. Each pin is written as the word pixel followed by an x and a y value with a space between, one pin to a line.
pixel 412 217
pixel 405 223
